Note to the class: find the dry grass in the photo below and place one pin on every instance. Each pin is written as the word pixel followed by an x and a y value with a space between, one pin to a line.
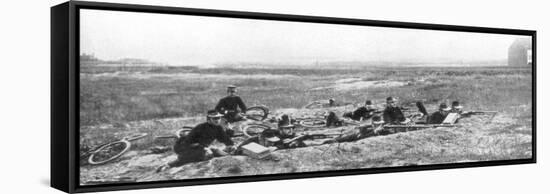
pixel 113 107
pixel 123 98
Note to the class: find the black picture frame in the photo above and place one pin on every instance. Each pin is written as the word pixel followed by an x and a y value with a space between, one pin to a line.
pixel 65 81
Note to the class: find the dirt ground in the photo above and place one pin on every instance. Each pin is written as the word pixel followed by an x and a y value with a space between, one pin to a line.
pixel 506 137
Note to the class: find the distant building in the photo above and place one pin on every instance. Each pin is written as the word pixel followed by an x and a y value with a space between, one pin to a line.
pixel 520 52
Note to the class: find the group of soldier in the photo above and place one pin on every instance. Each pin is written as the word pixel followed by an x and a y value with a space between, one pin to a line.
pixel 194 145
pixel 393 114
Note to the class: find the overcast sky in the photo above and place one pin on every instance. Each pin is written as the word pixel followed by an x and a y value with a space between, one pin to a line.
pixel 203 41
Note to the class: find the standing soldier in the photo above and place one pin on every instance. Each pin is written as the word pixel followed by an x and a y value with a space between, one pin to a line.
pixel 229 106
pixel 193 147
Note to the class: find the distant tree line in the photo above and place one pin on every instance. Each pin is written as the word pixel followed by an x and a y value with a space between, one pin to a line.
pixel 91 59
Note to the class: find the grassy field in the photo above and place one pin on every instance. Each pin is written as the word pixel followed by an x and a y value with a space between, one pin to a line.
pixel 114 96
pixel 115 102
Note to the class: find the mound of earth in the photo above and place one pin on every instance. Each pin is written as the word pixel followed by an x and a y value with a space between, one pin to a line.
pixel 506 137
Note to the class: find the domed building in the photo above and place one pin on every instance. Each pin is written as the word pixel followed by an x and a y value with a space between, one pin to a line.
pixel 520 52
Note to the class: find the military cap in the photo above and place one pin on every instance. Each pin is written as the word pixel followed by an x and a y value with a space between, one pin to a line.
pixel 443 106
pixel 213 114
pixel 456 105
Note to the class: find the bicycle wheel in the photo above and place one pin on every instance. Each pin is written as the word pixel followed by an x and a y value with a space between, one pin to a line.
pixel 109 152
pixel 90 151
pixel 257 113
pixel 135 137
pixel 313 123
pixel 251 130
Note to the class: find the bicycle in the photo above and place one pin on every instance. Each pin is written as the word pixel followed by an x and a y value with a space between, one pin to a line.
pixel 110 151
pixel 253 129
pixel 256 113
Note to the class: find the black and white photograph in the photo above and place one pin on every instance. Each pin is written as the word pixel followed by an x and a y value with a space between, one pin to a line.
pixel 166 97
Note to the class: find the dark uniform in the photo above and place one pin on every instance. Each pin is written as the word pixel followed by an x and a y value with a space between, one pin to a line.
pixel 190 148
pixel 437 117
pixel 393 115
pixel 363 132
pixel 285 120
pixel 361 112
pixel 228 106
pixel 333 120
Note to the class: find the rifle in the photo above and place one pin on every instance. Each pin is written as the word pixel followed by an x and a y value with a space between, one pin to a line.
pixel 390 129
pixel 470 113
pixel 422 126
pixel 311 136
